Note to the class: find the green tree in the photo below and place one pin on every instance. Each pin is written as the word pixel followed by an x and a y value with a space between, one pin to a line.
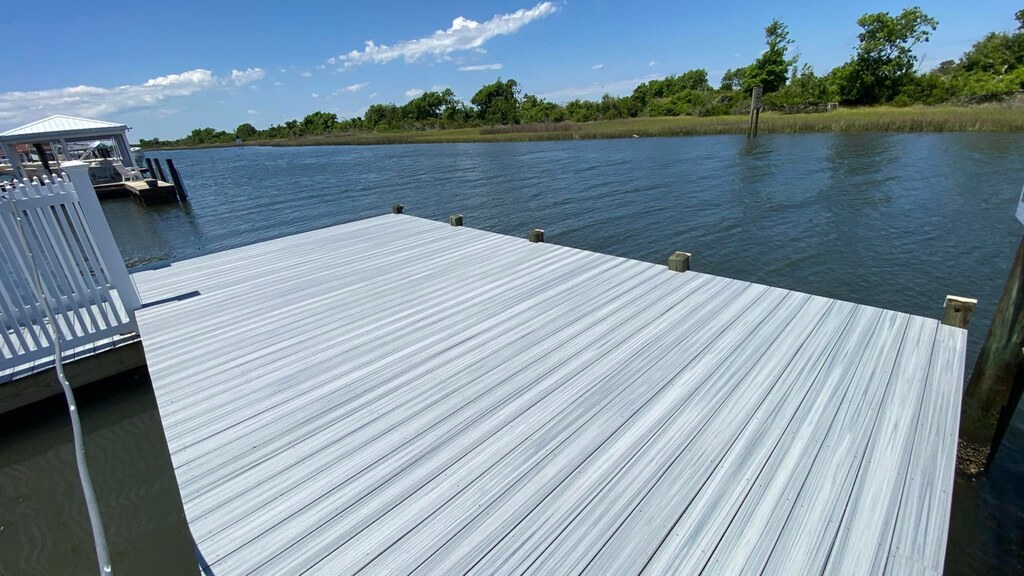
pixel 732 80
pixel 533 110
pixel 498 103
pixel 246 131
pixel 771 68
pixel 319 122
pixel 885 59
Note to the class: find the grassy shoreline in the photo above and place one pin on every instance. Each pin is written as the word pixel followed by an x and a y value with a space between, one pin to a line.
pixel 991 118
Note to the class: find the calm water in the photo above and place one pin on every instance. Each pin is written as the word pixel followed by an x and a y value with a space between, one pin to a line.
pixel 896 221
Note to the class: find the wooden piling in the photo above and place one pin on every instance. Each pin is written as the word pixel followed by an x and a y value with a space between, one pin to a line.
pixel 455 219
pixel 679 262
pixel 398 209
pixel 179 186
pixel 149 167
pixel 997 380
pixel 755 111
pixel 536 235
pixel 957 311
pixel 159 169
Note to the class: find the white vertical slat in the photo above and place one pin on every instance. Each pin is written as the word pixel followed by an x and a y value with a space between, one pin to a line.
pixel 50 280
pixel 102 240
pixel 70 250
pixel 18 285
pixel 72 274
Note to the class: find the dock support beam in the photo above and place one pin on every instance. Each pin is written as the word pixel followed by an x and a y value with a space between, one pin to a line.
pixel 536 235
pixel 679 262
pixel 997 379
pixel 455 219
pixel 398 209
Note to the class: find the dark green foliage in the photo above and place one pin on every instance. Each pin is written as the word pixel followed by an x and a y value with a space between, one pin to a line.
pixel 771 68
pixel 246 131
pixel 884 62
pixel 882 71
pixel 498 103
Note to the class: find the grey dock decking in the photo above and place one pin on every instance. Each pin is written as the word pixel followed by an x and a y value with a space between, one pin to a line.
pixel 397 395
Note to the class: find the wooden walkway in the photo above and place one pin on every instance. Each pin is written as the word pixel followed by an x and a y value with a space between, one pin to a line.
pixel 397 395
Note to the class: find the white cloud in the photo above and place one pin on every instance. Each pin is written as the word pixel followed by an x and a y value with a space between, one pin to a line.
pixel 617 88
pixel 253 112
pixel 597 66
pixel 356 87
pixel 413 92
pixel 479 67
pixel 240 77
pixel 98 102
pixel 332 60
pixel 278 83
pixel 307 74
pixel 652 63
pixel 464 34
pixel 321 66
pixel 372 95
pixel 315 95
pixel 282 70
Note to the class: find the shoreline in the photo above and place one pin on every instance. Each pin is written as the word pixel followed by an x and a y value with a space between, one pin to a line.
pixel 986 118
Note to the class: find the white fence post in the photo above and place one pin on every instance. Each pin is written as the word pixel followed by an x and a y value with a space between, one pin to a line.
pixel 78 173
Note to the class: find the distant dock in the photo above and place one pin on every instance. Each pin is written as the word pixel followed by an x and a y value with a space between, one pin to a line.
pixel 404 396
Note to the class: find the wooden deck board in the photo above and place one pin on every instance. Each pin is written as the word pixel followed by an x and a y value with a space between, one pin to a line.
pixel 396 395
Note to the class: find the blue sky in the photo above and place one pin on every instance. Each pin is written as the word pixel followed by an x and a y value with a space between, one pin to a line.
pixel 219 63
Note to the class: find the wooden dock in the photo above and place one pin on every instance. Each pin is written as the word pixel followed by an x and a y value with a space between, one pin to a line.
pixel 397 395
pixel 159 192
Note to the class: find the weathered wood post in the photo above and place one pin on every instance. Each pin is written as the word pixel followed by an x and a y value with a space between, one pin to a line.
pixel 398 209
pixel 179 186
pixel 149 166
pixel 679 262
pixel 755 111
pixel 957 311
pixel 536 235
pixel 997 379
pixel 455 219
pixel 159 169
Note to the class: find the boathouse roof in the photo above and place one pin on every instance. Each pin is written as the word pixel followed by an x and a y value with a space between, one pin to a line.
pixel 62 126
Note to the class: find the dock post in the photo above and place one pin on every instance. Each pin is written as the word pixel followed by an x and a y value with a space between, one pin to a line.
pixel 398 209
pixel 536 235
pixel 755 111
pixel 995 385
pixel 455 219
pixel 160 169
pixel 679 262
pixel 179 187
pixel 957 311
pixel 149 166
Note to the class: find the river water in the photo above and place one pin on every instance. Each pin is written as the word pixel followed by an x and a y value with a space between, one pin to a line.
pixel 890 220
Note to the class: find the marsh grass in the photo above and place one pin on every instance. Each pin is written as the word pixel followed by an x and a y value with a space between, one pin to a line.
pixel 991 118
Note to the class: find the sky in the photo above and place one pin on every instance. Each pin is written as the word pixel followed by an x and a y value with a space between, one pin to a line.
pixel 165 69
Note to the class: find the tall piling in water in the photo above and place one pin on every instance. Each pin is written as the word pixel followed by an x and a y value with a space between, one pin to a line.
pixel 755 111
pixel 179 186
pixel 995 385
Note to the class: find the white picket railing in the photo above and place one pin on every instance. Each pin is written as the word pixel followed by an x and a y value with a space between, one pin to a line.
pixel 68 256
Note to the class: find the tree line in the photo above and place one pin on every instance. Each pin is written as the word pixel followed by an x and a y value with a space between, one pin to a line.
pixel 882 70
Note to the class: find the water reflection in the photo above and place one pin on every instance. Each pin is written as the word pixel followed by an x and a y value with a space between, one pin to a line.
pixel 44 528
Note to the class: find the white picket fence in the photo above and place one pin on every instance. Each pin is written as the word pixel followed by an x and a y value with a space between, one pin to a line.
pixel 71 258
